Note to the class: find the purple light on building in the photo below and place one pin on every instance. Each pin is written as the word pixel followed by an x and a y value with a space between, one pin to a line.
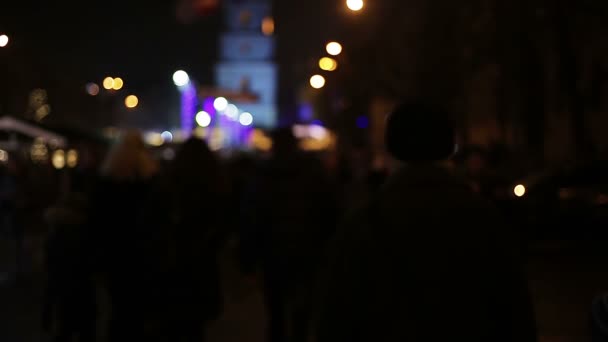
pixel 209 107
pixel 188 113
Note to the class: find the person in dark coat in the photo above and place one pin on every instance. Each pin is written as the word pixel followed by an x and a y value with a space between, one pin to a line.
pixel 293 217
pixel 186 218
pixel 116 238
pixel 70 308
pixel 427 259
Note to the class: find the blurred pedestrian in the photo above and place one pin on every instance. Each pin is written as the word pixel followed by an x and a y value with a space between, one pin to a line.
pixel 116 238
pixel 427 259
pixel 292 211
pixel 70 308
pixel 191 217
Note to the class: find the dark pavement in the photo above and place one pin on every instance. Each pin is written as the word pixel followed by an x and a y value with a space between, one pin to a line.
pixel 563 280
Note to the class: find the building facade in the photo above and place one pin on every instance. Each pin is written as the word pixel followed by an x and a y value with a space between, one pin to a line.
pixel 247 56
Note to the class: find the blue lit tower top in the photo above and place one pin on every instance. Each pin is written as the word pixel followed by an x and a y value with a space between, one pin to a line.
pixel 247 57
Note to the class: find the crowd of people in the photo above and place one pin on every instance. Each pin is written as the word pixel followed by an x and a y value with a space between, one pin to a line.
pixel 415 253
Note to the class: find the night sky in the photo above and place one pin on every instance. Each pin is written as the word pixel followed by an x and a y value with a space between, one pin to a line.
pixel 60 46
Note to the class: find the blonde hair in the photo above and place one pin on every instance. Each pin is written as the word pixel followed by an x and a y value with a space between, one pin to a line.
pixel 129 159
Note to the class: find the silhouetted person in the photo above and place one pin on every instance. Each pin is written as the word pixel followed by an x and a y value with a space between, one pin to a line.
pixel 116 238
pixel 427 259
pixel 186 219
pixel 70 310
pixel 293 212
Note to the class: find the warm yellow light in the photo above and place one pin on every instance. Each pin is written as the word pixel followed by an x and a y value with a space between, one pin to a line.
pixel 317 81
pixel 268 26
pixel 519 190
pixel 3 156
pixel 328 64
pixel 334 48
pixel 72 158
pixel 354 5
pixel 131 101
pixel 118 83
pixel 58 159
pixel 108 83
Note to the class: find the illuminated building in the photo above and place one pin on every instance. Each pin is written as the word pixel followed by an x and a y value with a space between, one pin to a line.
pixel 247 59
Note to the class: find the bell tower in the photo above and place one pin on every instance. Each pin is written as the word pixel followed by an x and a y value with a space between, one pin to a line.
pixel 247 58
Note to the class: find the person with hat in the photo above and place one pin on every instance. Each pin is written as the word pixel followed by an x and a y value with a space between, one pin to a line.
pixel 427 259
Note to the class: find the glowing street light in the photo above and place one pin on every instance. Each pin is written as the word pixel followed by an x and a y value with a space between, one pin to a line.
pixel 317 81
pixel 246 119
pixel 220 104
pixel 520 190
pixel 118 83
pixel 181 78
pixel 3 40
pixel 334 48
pixel 203 119
pixel 108 83
pixel 354 5
pixel 328 64
pixel 131 101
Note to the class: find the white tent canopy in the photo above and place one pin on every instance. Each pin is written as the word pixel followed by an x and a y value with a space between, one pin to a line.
pixel 15 125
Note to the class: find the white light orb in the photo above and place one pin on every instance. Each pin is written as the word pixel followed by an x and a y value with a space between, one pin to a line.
pixel 246 119
pixel 220 104
pixel 3 40
pixel 181 78
pixel 232 111
pixel 203 119
pixel 317 81
pixel 167 136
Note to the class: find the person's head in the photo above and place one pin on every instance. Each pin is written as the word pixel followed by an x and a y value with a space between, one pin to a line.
pixel 284 142
pixel 196 166
pixel 418 133
pixel 129 159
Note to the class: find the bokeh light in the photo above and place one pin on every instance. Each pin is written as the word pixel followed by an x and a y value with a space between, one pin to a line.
pixel 328 64
pixel 72 158
pixel 3 40
pixel 181 78
pixel 131 101
pixel 520 190
pixel 203 119
pixel 92 89
pixel 118 83
pixel 363 122
pixel 334 48
pixel 58 159
pixel 43 112
pixel 246 119
pixel 220 104
pixel 3 156
pixel 167 136
pixel 108 83
pixel 232 111
pixel 354 5
pixel 317 81
pixel 268 26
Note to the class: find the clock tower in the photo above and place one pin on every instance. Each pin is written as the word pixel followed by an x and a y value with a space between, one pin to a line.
pixel 247 58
